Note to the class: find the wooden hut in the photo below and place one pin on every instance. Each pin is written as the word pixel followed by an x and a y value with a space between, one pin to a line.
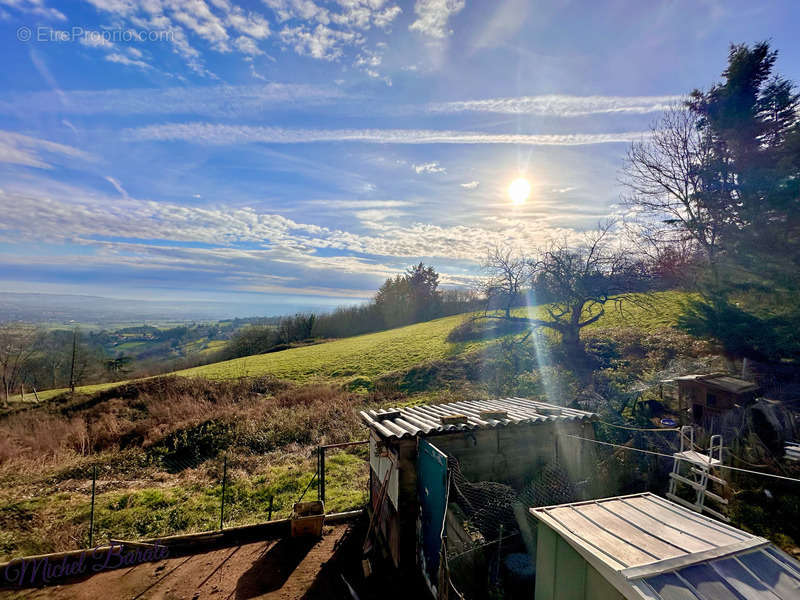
pixel 502 440
pixel 713 394
pixel 643 547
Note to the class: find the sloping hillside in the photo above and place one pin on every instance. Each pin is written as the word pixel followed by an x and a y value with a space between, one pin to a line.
pixel 374 354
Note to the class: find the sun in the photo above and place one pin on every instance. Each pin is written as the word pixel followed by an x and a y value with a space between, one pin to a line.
pixel 519 190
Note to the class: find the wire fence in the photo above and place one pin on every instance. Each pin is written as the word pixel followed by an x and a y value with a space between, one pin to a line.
pixel 183 494
pixel 490 535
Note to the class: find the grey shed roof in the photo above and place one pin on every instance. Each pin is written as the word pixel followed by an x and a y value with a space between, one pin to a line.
pixel 651 548
pixel 412 421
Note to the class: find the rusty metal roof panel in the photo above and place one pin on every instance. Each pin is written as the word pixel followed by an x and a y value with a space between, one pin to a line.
pixel 426 420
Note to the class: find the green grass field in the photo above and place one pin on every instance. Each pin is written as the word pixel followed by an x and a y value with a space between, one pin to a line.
pixel 375 354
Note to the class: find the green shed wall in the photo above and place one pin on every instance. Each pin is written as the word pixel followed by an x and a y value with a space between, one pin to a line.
pixel 563 574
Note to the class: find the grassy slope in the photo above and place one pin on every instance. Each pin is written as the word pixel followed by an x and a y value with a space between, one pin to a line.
pixel 374 354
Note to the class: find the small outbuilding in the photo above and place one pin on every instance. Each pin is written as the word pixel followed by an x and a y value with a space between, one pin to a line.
pixel 643 547
pixel 416 452
pixel 713 394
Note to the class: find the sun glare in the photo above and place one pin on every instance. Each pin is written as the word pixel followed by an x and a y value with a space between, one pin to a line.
pixel 519 190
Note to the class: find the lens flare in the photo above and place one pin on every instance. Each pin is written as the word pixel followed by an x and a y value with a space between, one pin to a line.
pixel 519 190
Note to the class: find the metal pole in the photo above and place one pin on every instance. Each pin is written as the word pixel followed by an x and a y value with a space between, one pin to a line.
pixel 499 554
pixel 319 479
pixel 72 365
pixel 91 512
pixel 224 482
pixel 322 474
pixel 269 517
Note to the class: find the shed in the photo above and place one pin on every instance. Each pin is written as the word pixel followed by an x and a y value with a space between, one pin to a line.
pixel 412 450
pixel 645 547
pixel 712 394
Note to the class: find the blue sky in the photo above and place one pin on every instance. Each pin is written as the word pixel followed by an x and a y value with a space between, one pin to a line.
pixel 297 152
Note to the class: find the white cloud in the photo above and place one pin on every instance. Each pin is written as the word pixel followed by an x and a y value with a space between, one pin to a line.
pixel 211 133
pixel 376 215
pixel 211 100
pixel 241 241
pixel 470 185
pixel 325 32
pixel 116 57
pixel 433 16
pixel 563 190
pixel 247 45
pixel 560 105
pixel 117 186
pixel 431 167
pixel 35 7
pixel 21 149
pixel 322 42
pixel 225 27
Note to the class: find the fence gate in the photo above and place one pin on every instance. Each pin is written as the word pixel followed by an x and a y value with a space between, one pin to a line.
pixel 432 493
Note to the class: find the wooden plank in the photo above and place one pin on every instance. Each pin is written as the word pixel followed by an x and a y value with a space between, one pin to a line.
pixel 682 539
pixel 617 549
pixel 636 536
pixel 697 526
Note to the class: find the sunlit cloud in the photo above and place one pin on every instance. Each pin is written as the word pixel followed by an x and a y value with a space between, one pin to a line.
pixel 560 105
pixel 217 134
pixel 433 16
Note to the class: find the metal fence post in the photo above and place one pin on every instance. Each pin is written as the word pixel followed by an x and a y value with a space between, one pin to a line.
pixel 224 482
pixel 322 474
pixel 269 517
pixel 319 479
pixel 91 512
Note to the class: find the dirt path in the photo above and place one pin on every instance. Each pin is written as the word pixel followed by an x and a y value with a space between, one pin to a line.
pixel 274 569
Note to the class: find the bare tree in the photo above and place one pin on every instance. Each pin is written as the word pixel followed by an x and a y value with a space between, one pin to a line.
pixel 507 274
pixel 17 344
pixel 663 174
pixel 578 279
pixel 581 279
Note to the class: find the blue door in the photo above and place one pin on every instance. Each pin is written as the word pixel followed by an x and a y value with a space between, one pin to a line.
pixel 432 493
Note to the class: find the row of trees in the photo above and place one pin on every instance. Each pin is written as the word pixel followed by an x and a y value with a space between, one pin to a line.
pixel 410 297
pixel 33 358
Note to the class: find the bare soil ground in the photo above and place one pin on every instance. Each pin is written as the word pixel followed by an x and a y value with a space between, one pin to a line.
pixel 272 569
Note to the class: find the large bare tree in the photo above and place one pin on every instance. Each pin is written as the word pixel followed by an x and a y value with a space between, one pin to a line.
pixel 664 177
pixel 578 278
pixel 581 279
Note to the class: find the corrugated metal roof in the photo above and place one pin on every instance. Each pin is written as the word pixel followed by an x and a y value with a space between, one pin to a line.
pixel 651 548
pixel 426 420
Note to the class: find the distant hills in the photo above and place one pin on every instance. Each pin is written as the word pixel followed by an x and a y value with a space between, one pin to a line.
pixel 67 308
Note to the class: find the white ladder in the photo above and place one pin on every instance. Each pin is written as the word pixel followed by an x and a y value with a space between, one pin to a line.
pixel 700 473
